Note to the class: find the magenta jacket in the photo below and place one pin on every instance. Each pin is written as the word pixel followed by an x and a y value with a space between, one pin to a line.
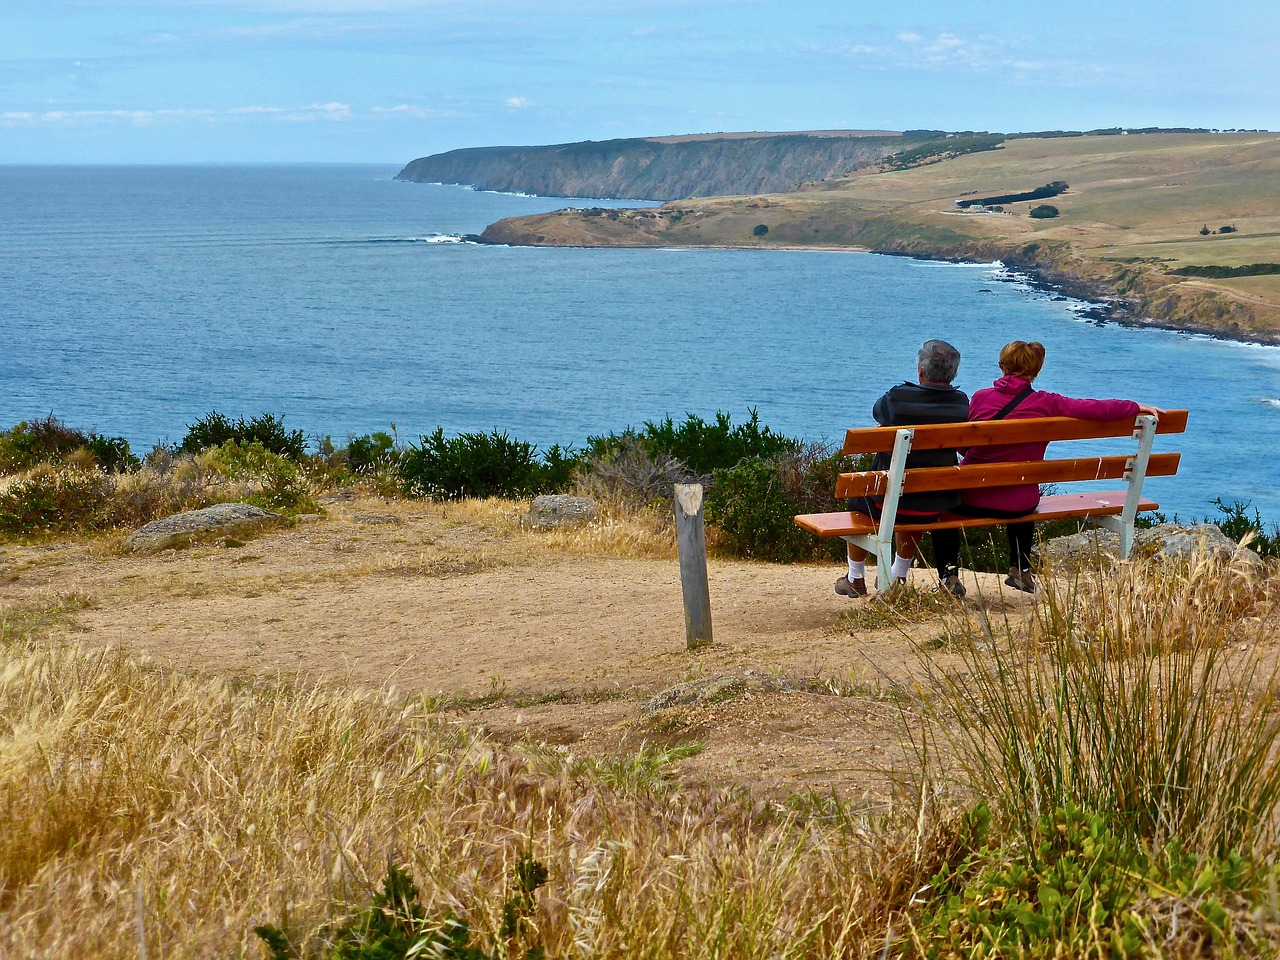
pixel 987 403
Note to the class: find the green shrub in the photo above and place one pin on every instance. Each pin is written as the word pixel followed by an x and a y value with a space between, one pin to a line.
pixel 1235 522
pixel 278 483
pixel 1221 272
pixel 372 453
pixel 50 440
pixel 112 453
pixel 395 927
pixel 701 446
pixel 754 504
pixel 54 499
pixel 1045 211
pixel 215 429
pixel 1080 884
pixel 761 229
pixel 482 465
pixel 1039 193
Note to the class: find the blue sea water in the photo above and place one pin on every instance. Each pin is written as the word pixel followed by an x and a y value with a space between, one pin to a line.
pixel 134 300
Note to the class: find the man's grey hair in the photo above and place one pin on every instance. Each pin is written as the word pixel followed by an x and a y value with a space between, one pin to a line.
pixel 938 361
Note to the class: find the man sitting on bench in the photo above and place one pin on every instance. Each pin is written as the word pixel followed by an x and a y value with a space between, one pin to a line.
pixel 930 400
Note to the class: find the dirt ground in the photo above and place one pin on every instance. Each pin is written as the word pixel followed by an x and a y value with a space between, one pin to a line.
pixel 522 638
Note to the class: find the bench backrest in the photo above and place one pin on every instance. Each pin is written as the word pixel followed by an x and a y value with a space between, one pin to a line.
pixel 984 433
pixel 978 433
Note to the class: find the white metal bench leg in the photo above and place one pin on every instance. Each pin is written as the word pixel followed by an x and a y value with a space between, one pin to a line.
pixel 881 542
pixel 1145 433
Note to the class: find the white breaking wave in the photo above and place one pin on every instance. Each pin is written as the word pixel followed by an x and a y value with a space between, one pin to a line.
pixel 430 238
pixel 963 264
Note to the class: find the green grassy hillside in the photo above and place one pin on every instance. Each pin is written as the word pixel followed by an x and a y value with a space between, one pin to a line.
pixel 1136 207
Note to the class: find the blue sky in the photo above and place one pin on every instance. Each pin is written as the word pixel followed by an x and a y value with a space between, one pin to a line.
pixel 145 81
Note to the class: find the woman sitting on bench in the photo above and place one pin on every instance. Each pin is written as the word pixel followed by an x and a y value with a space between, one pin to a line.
pixel 1013 397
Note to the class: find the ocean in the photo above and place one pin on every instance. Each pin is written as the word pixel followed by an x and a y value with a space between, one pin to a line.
pixel 138 299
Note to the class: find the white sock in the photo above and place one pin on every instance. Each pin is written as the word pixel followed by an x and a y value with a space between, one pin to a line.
pixel 857 569
pixel 901 567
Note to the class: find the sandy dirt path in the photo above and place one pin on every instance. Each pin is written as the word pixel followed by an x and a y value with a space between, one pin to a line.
pixel 515 636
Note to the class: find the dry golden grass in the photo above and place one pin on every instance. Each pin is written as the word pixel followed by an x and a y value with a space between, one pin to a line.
pixel 150 813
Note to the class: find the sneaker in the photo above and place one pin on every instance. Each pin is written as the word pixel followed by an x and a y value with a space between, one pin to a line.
pixel 857 587
pixel 1020 580
pixel 952 585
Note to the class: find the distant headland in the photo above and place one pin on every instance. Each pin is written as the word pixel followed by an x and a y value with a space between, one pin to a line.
pixel 1178 228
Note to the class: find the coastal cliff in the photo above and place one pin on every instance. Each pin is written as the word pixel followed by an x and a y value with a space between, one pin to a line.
pixel 664 168
pixel 1135 214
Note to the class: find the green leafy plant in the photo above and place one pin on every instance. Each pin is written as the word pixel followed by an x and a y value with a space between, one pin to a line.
pixel 1234 521
pixel 50 440
pixel 372 453
pixel 279 482
pixel 54 499
pixel 1045 211
pixel 215 429
pixel 700 446
pixel 1078 884
pixel 395 927
pixel 754 504
pixel 482 465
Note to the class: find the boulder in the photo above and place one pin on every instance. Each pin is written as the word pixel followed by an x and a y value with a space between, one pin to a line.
pixel 182 529
pixel 559 510
pixel 1167 541
pixel 711 690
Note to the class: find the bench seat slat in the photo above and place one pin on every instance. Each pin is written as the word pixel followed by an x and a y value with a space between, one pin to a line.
pixel 979 433
pixel 1063 506
pixel 874 483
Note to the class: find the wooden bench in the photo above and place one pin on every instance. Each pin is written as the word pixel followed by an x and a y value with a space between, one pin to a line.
pixel 1114 510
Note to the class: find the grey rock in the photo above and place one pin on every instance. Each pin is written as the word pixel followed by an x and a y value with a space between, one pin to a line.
pixel 1167 541
pixel 183 528
pixel 711 690
pixel 560 510
pixel 375 519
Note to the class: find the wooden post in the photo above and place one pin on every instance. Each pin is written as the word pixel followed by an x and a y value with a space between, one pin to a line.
pixel 691 541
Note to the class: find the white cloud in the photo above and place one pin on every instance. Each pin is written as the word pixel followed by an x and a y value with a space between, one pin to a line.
pixel 412 110
pixel 945 50
pixel 518 103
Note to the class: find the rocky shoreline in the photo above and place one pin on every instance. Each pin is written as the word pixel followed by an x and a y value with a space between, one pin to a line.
pixel 1055 272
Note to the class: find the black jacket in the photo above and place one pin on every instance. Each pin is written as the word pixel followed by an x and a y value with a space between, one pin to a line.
pixel 912 404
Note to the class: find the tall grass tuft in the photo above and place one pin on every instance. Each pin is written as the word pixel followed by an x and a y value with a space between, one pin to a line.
pixel 1138 693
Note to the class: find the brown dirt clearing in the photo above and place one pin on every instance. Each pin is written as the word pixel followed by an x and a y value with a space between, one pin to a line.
pixel 521 637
